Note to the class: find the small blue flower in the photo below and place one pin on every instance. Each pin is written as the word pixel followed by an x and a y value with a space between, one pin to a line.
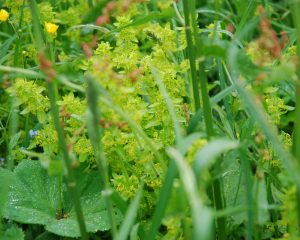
pixel 33 133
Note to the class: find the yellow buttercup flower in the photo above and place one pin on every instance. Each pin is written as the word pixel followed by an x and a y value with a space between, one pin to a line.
pixel 3 15
pixel 51 27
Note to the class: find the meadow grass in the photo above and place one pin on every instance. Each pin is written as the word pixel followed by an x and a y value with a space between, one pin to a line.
pixel 187 110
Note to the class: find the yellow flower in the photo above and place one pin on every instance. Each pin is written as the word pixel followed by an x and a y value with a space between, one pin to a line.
pixel 51 27
pixel 3 15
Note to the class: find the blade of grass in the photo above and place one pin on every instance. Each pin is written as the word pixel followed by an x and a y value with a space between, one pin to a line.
pixel 21 72
pixel 162 202
pixel 130 217
pixel 226 100
pixel 191 54
pixel 202 216
pixel 248 13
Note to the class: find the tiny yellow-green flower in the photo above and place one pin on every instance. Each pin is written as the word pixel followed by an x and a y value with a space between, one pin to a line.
pixel 51 27
pixel 3 15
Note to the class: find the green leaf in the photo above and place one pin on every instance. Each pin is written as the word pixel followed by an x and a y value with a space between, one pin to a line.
pixel 234 188
pixel 6 178
pixel 33 199
pixel 210 152
pixel 12 233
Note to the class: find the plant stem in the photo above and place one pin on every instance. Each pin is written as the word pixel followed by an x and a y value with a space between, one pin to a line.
pixel 191 54
pixel 13 128
pixel 71 180
pixel 52 89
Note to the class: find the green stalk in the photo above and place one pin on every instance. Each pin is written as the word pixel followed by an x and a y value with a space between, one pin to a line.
pixel 59 178
pixel 246 169
pixel 191 54
pixel 71 180
pixel 52 89
pixel 13 128
pixel 296 139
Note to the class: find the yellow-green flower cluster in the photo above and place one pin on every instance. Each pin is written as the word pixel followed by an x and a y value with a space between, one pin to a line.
pixel 275 107
pixel 127 186
pixel 47 139
pixel 72 111
pixel 123 69
pixel 31 97
pixel 83 149
pixel 289 215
